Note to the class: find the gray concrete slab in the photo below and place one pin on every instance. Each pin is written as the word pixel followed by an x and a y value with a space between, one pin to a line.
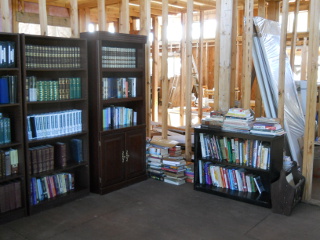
pixel 157 210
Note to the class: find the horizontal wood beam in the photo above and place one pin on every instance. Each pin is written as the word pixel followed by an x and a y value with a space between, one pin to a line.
pixel 34 18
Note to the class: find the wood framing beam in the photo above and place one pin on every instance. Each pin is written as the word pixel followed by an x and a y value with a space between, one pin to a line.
pixel 145 16
pixel 233 76
pixel 261 8
pixel 247 53
pixel 200 66
pixel 183 67
pixel 282 61
pixel 145 22
pixel 15 23
pixel 34 18
pixel 43 17
pixel 294 35
pixel 164 69
pixel 74 24
pixel 273 10
pixel 258 99
pixel 82 20
pixel 188 147
pixel 304 59
pixel 5 15
pixel 155 70
pixel 102 15
pixel 217 56
pixel 308 150
pixel 124 25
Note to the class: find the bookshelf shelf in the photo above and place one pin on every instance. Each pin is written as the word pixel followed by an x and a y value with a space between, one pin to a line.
pixel 122 100
pixel 11 177
pixel 61 169
pixel 118 153
pixel 12 185
pixel 59 200
pixel 44 116
pixel 268 173
pixel 56 69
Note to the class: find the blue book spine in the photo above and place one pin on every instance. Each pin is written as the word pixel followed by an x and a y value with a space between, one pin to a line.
pixel 4 90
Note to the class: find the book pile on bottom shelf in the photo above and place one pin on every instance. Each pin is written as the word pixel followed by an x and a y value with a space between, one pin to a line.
pixel 229 177
pixel 47 187
pixel 10 196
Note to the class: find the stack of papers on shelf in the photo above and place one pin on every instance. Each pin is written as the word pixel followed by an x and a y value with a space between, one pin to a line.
pixel 238 120
pixel 267 126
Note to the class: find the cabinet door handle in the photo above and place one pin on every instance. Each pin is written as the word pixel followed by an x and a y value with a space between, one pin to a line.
pixel 127 156
pixel 123 156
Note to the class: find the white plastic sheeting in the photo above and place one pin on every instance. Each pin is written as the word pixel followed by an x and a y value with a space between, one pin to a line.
pixel 266 55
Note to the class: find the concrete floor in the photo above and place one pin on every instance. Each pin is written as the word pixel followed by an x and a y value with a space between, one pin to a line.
pixel 157 210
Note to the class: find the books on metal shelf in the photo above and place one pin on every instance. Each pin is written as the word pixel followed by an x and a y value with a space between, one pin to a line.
pixel 8 89
pixel 119 87
pixel 5 129
pixel 52 124
pixel 10 196
pixel 233 178
pixel 246 152
pixel 52 90
pixel 117 116
pixel 9 162
pixel 7 54
pixel 116 57
pixel 47 187
pixel 40 56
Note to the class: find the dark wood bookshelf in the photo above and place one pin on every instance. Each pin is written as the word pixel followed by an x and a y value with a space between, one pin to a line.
pixel 15 112
pixel 268 176
pixel 118 153
pixel 46 73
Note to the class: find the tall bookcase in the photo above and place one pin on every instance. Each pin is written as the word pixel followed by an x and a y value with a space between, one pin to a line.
pixel 117 109
pixel 267 174
pixel 54 73
pixel 12 178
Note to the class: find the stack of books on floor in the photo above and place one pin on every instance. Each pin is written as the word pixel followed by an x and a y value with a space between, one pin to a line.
pixel 238 120
pixel 189 173
pixel 174 168
pixel 154 161
pixel 215 120
pixel 267 126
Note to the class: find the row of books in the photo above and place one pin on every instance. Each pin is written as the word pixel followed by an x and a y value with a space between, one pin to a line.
pixel 10 196
pixel 50 186
pixel 119 87
pixel 5 129
pixel 52 90
pixel 9 162
pixel 46 157
pixel 229 177
pixel 113 117
pixel 38 56
pixel 7 54
pixel 115 57
pixel 8 89
pixel 247 152
pixel 52 124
